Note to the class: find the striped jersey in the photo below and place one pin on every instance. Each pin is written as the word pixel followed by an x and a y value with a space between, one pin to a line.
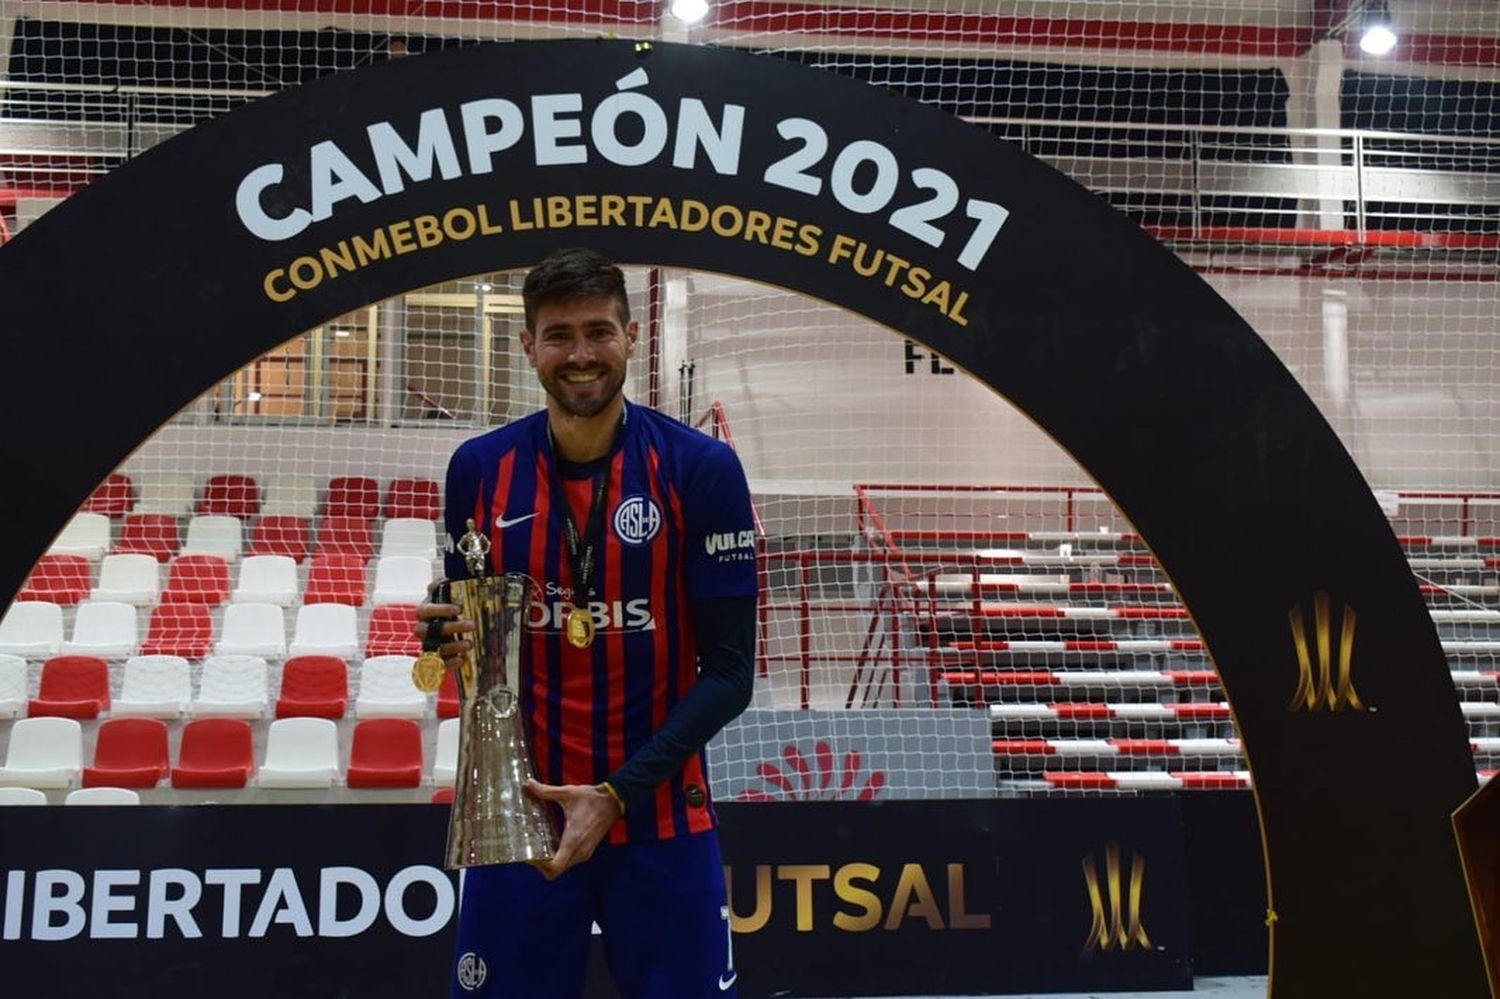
pixel 678 526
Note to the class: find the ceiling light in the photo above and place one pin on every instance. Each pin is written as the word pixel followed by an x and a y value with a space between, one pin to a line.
pixel 689 11
pixel 1377 35
pixel 253 397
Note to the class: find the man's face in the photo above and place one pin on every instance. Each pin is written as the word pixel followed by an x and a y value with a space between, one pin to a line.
pixel 579 351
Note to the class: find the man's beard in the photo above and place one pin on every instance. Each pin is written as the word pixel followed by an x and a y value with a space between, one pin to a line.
pixel 556 388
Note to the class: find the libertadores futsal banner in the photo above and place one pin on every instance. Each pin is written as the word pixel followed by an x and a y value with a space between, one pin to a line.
pixel 826 899
pixel 245 231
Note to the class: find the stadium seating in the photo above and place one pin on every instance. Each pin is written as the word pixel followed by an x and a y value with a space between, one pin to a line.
pixel 401 579
pixel 281 535
pixel 353 496
pixel 130 752
pixel 86 534
pixel 392 631
pixel 336 579
pixel 325 629
pixel 12 685
pixel 267 579
pixel 230 496
pixel 252 630
pixel 71 687
pixel 168 495
pixel 22 796
pixel 114 497
pixel 43 753
pixel 154 687
pixel 345 536
pixel 413 498
pixel 386 689
pixel 233 687
pixel 197 579
pixel 443 796
pixel 153 534
pixel 408 537
pixel 214 535
pixel 291 496
pixel 104 628
pixel 314 686
pixel 301 752
pixel 31 628
pixel 216 753
pixel 58 579
pixel 102 796
pixel 185 630
pixel 445 759
pixel 129 579
pixel 387 752
pixel 447 696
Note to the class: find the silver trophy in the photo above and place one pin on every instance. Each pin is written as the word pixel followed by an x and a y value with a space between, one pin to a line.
pixel 494 820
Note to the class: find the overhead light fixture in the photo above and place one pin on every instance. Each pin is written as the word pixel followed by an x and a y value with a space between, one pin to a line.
pixel 1377 34
pixel 253 397
pixel 689 11
pixel 340 332
pixel 486 287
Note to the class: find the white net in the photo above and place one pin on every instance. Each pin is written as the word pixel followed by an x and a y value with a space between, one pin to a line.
pixel 951 607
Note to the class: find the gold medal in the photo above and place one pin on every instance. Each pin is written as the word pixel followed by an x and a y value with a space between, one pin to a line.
pixel 427 672
pixel 580 627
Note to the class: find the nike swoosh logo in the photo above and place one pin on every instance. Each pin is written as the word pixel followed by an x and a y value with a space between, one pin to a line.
pixel 724 985
pixel 502 524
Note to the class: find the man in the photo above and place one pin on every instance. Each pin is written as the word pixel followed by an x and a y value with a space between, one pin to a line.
pixel 640 532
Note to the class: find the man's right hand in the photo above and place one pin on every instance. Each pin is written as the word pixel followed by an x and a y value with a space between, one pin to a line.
pixel 455 645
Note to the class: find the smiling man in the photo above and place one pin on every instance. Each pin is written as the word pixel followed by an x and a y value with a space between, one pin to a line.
pixel 640 651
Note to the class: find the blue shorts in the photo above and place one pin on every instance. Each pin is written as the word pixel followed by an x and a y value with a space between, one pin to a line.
pixel 661 905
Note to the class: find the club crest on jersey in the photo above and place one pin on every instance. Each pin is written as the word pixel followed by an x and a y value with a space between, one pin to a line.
pixel 637 519
pixel 472 971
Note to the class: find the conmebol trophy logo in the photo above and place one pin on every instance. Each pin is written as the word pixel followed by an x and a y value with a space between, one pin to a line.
pixel 821 777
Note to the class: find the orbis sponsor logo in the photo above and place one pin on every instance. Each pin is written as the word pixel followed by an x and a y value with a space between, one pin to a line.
pixel 730 544
pixel 221 903
pixel 612 615
pixel 855 898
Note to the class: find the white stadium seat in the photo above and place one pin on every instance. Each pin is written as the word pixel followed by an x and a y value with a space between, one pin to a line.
pixel 154 687
pixel 401 579
pixel 301 752
pixel 104 628
pixel 252 630
pixel 325 629
pixel 102 796
pixel 445 763
pixel 386 690
pixel 168 494
pixel 291 496
pixel 13 686
pixel 43 752
pixel 129 579
pixel 214 535
pixel 22 796
pixel 267 579
pixel 87 534
pixel 232 687
pixel 408 536
pixel 32 628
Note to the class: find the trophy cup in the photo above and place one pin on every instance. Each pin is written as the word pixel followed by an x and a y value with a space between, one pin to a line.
pixel 494 820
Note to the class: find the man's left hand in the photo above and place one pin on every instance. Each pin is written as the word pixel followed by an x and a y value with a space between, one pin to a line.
pixel 588 813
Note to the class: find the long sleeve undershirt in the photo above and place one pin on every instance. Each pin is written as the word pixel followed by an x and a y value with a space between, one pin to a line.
pixel 725 631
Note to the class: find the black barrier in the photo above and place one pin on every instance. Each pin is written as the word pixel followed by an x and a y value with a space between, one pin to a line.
pixel 828 899
pixel 327 197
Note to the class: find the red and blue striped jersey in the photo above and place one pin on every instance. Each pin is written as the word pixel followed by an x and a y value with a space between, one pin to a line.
pixel 678 527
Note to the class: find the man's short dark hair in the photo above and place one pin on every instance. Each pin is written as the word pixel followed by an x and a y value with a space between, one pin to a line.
pixel 574 273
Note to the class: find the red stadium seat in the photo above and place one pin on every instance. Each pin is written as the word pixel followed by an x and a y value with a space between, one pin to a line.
pixel 216 752
pixel 131 752
pixel 280 535
pixel 393 631
pixel 72 687
pixel 185 630
pixel 230 496
pixel 58 579
pixel 114 497
pixel 346 536
pixel 387 752
pixel 314 687
pixel 413 498
pixel 353 496
pixel 447 699
pixel 153 534
pixel 336 579
pixel 198 579
pixel 443 796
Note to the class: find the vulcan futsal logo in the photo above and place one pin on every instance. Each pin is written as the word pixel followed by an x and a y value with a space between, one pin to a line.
pixel 637 519
pixel 730 546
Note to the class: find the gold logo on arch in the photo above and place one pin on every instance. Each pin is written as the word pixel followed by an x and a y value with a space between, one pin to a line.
pixel 1325 677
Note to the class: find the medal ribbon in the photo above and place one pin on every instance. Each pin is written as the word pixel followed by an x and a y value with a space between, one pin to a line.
pixel 583 548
